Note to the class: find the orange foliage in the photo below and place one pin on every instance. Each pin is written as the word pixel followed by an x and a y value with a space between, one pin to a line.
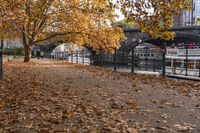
pixel 154 17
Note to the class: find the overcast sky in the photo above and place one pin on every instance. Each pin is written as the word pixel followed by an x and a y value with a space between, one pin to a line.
pixel 121 16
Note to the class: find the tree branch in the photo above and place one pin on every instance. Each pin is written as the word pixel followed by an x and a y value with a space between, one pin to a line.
pixel 54 35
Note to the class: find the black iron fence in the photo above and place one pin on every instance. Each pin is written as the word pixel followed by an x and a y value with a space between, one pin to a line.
pixel 183 67
pixel 134 63
pixel 78 57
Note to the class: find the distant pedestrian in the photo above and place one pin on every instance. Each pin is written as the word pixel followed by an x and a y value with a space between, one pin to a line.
pixel 38 54
pixel 42 54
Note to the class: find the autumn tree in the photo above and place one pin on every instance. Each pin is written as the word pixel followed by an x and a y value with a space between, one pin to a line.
pixel 3 27
pixel 154 17
pixel 36 21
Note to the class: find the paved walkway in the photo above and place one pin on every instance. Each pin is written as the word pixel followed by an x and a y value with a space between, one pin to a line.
pixel 60 97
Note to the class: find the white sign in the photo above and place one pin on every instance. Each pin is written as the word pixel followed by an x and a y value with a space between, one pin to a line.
pixel 182 52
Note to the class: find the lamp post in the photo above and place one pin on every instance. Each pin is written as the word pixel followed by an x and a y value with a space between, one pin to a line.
pixel 134 44
pixel 1 60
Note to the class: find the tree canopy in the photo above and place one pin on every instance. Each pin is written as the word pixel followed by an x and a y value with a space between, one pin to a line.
pixel 85 22
pixel 154 17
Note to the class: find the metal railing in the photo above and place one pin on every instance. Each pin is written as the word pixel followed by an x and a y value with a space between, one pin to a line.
pixel 128 63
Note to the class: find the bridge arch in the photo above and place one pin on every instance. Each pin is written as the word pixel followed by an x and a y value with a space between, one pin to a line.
pixel 183 35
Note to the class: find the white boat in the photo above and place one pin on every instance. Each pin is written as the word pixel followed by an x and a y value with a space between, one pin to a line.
pixel 179 56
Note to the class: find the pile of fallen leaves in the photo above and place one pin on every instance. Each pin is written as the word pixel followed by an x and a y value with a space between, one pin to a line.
pixel 32 100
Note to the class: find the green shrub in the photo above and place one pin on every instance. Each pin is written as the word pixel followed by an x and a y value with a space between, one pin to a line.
pixel 15 51
pixel 6 51
pixel 19 51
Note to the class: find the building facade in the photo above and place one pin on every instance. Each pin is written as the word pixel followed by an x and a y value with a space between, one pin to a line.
pixel 13 43
pixel 188 18
pixel 197 11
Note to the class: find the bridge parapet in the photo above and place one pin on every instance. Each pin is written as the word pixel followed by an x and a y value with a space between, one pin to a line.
pixel 178 28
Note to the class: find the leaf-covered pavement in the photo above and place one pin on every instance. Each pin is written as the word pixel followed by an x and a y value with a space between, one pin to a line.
pixel 60 98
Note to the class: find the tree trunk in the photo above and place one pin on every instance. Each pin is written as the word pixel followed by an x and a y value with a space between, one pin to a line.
pixel 27 46
pixel 28 51
pixel 1 47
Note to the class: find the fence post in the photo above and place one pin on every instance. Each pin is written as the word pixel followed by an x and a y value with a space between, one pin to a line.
pixel 199 68
pixel 83 56
pixel 133 58
pixel 139 62
pixel 115 60
pixel 154 65
pixel 91 56
pixel 186 61
pixel 174 66
pixel 76 56
pixel 58 56
pixel 146 59
pixel 71 57
pixel 67 56
pixel 163 60
pixel 101 59
pixel 62 56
